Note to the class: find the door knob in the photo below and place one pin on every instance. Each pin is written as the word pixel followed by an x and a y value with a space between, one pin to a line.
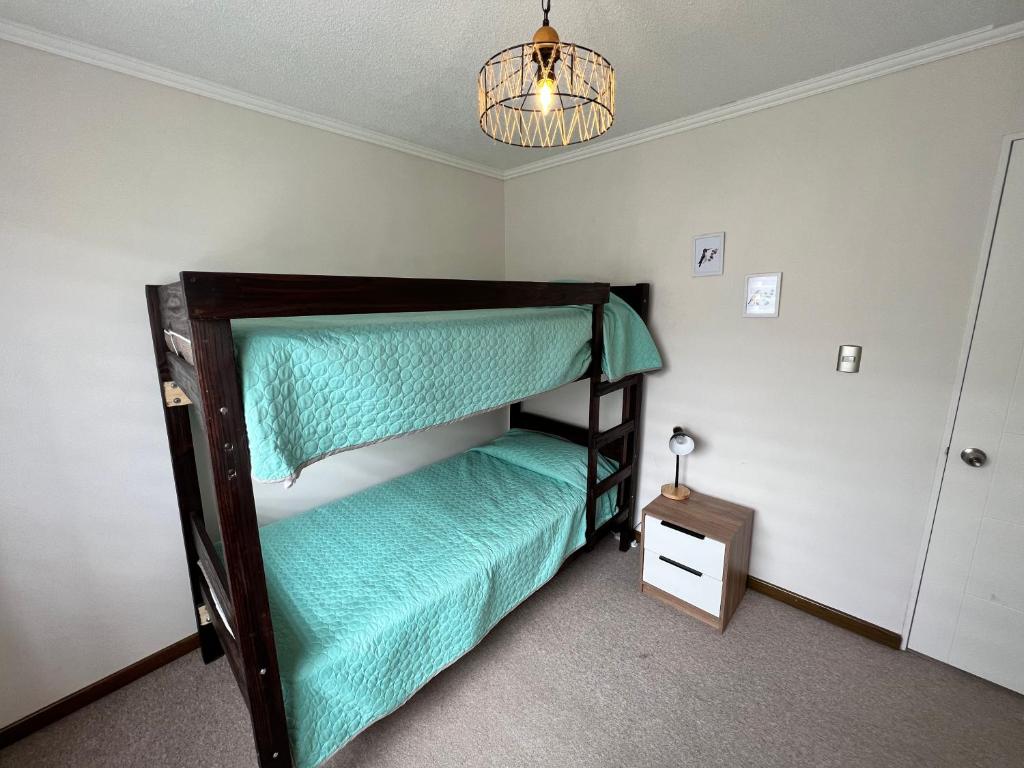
pixel 974 456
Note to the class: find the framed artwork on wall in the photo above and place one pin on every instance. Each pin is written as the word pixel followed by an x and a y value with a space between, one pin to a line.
pixel 762 295
pixel 708 254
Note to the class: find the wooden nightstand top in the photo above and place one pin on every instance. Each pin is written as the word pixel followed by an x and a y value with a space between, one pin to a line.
pixel 704 514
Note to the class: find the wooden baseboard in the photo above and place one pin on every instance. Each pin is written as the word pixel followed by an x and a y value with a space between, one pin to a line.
pixel 75 701
pixel 832 615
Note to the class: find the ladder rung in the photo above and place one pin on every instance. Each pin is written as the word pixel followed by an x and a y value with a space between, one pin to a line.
pixel 612 480
pixel 607 387
pixel 613 434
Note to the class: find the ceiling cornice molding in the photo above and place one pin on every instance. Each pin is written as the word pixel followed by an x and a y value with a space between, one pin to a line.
pixel 101 57
pixel 887 65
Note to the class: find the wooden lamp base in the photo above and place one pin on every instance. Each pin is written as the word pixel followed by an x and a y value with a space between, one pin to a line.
pixel 676 492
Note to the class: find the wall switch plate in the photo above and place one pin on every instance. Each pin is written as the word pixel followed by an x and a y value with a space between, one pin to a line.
pixel 849 358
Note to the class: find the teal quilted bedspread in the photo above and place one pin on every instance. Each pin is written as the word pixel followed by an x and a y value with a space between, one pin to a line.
pixel 373 595
pixel 314 386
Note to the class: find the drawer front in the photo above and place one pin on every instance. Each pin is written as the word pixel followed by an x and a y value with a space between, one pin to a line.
pixel 703 554
pixel 700 591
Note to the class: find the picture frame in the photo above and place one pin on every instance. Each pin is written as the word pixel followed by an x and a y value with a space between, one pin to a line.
pixel 762 294
pixel 709 254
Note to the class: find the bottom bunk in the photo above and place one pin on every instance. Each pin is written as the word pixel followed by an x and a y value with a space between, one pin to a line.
pixel 374 594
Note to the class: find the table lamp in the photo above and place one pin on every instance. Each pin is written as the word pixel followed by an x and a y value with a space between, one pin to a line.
pixel 680 444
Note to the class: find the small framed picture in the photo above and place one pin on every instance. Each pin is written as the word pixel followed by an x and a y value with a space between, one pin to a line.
pixel 708 254
pixel 762 295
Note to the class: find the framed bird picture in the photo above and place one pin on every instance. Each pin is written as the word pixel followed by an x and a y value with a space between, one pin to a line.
pixel 763 293
pixel 708 254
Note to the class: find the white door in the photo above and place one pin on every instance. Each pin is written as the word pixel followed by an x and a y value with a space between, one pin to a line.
pixel 970 608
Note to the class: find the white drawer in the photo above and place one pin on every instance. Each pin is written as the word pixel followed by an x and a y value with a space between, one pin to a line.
pixel 700 591
pixel 700 553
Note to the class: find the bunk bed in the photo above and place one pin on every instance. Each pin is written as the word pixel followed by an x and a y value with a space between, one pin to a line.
pixel 333 618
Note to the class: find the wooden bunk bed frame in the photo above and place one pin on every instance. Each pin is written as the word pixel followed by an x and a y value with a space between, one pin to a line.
pixel 230 595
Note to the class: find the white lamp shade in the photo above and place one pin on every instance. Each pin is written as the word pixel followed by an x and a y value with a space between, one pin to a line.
pixel 680 444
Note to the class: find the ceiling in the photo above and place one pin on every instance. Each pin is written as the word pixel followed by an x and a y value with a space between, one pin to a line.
pixel 407 68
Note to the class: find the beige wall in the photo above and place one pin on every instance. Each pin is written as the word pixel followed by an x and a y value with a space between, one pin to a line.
pixel 872 201
pixel 107 183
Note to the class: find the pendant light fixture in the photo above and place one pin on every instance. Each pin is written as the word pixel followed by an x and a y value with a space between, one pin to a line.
pixel 546 93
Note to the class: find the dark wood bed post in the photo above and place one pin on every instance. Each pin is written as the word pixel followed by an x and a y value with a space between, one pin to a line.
pixel 632 412
pixel 594 417
pixel 218 381
pixel 186 479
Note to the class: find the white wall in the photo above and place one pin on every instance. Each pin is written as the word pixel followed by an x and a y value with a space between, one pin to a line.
pixel 108 183
pixel 872 201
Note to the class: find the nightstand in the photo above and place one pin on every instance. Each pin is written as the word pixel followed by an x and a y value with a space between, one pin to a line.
pixel 695 555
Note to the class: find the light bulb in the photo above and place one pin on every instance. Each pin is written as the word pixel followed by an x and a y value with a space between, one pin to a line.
pixel 546 91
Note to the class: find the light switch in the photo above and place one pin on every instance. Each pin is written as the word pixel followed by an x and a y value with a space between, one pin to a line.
pixel 849 359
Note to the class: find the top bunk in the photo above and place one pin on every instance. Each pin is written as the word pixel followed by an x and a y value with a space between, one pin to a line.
pixel 328 364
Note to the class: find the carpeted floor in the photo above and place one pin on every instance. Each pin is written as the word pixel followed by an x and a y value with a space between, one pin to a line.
pixel 590 673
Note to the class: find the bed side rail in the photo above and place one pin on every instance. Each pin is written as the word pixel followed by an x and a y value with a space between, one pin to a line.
pixel 520 419
pixel 227 295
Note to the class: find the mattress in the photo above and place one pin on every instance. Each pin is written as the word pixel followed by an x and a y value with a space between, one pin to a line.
pixel 314 386
pixel 374 594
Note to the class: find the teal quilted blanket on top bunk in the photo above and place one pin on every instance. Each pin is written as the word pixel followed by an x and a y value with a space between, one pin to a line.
pixel 314 386
pixel 373 595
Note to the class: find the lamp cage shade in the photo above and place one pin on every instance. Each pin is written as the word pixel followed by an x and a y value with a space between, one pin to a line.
pixel 546 93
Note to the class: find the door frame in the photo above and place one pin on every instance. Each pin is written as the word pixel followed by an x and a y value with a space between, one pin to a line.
pixel 961 374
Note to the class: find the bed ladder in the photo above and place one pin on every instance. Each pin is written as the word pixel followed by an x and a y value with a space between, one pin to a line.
pixel 627 434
